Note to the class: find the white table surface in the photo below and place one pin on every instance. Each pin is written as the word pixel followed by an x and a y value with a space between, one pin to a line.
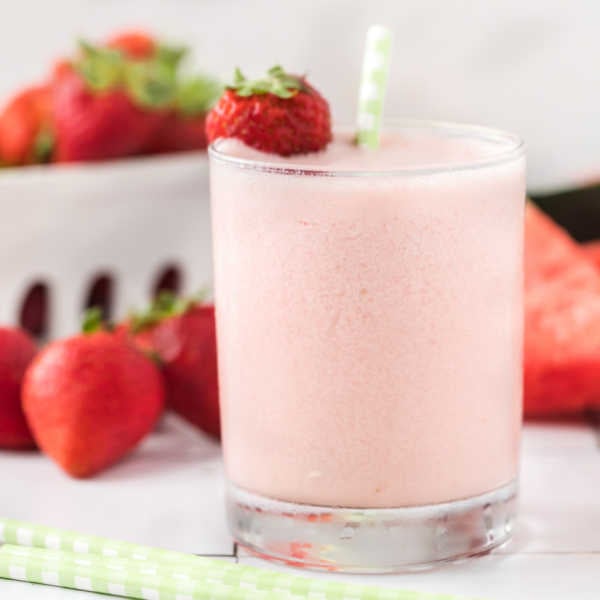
pixel 169 493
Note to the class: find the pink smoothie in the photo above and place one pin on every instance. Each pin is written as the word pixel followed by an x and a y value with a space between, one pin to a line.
pixel 369 327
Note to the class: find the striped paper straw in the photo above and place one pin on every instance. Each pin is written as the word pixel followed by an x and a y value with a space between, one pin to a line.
pixel 373 86
pixel 50 556
pixel 21 533
pixel 118 577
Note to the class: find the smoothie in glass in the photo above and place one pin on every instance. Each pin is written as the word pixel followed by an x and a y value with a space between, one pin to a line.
pixel 369 331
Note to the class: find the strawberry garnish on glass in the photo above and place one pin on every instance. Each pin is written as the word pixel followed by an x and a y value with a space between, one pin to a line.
pixel 280 113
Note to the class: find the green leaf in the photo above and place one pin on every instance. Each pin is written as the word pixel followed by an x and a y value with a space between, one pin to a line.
pixel 276 82
pixel 92 320
pixel 197 95
pixel 171 56
pixel 165 305
pixel 43 146
pixel 101 68
pixel 238 77
pixel 151 84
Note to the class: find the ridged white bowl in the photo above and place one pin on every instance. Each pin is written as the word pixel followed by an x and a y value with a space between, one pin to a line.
pixel 63 226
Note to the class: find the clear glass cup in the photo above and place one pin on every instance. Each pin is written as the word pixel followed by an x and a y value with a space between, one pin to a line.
pixel 369 330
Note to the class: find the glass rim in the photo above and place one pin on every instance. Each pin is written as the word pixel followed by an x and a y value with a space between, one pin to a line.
pixel 511 148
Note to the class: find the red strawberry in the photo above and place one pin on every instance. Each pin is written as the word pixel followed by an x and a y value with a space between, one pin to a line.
pixel 60 68
pixel 185 129
pixel 17 350
pixel 182 335
pixel 135 44
pixel 179 134
pixel 98 126
pixel 26 128
pixel 281 114
pixel 108 106
pixel 91 398
pixel 562 322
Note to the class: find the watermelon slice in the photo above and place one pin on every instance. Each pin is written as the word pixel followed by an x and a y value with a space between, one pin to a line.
pixel 562 322
pixel 592 251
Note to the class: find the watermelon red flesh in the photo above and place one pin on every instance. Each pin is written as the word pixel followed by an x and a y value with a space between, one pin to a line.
pixel 562 322
pixel 592 251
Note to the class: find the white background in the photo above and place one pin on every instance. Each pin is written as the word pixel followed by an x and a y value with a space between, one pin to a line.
pixel 531 66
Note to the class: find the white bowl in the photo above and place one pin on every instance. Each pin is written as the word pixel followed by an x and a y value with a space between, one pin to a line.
pixel 63 226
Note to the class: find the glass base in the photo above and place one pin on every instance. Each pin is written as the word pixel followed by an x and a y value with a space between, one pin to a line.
pixel 371 540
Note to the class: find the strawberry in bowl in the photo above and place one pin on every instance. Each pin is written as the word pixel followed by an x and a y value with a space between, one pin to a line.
pixel 126 96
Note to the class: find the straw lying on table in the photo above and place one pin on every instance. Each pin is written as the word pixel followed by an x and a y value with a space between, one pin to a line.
pixel 50 556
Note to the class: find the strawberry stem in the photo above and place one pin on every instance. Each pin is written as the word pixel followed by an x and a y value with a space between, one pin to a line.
pixel 165 305
pixel 93 320
pixel 43 146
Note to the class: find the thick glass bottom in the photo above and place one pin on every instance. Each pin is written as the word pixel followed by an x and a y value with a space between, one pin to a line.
pixel 371 540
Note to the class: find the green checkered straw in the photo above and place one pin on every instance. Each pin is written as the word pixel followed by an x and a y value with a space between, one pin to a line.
pixel 50 556
pixel 373 85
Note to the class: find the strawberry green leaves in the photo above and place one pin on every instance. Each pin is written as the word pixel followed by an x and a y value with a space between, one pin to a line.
pixel 197 95
pixel 276 82
pixel 101 68
pixel 153 82
pixel 165 305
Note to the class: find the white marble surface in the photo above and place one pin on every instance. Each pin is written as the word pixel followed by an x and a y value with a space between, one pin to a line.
pixel 169 493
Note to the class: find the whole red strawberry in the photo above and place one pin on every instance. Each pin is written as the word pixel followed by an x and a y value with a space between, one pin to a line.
pixel 17 350
pixel 182 336
pixel 91 398
pixel 107 106
pixel 93 126
pixel 281 114
pixel 26 127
